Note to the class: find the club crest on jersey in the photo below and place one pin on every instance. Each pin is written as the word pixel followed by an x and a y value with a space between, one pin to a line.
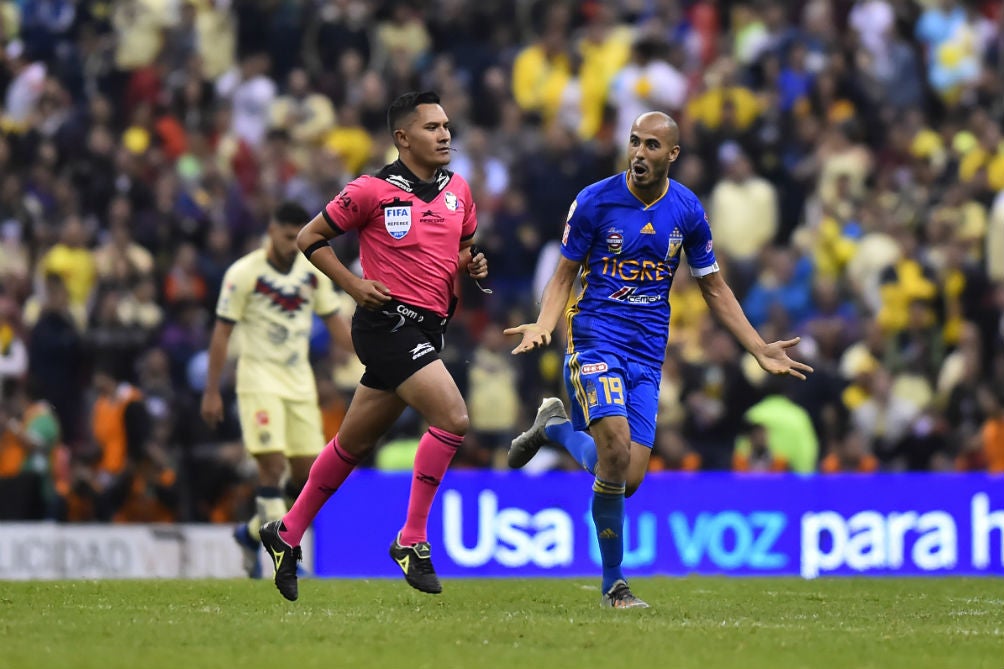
pixel 615 240
pixel 397 220
pixel 450 200
pixel 675 242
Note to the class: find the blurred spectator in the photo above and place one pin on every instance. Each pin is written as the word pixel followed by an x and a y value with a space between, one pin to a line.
pixel 543 69
pixel 149 491
pixel 783 289
pixel 27 79
pixel 251 93
pixel 13 351
pixel 648 81
pixel 716 396
pixel 849 455
pixel 992 404
pixel 744 213
pixel 73 262
pixel 781 436
pixel 119 423
pixel 120 261
pixel 403 34
pixel 306 116
pixel 755 455
pixel 184 281
pixel 493 396
pixel 55 362
pixel 30 453
pixel 671 454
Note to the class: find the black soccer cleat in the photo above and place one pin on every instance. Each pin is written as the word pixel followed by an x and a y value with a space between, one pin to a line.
pixel 525 446
pixel 284 558
pixel 619 596
pixel 416 563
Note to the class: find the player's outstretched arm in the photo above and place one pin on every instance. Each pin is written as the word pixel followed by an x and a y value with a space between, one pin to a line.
pixel 536 335
pixel 212 401
pixel 772 357
pixel 313 240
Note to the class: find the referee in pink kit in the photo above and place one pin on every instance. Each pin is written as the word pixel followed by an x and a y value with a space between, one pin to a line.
pixel 416 223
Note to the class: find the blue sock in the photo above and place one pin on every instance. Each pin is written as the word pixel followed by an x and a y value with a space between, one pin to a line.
pixel 608 517
pixel 579 444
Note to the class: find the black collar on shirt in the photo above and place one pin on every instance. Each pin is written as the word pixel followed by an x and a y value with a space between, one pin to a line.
pixel 397 174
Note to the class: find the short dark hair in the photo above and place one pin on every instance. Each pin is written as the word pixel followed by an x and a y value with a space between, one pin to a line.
pixel 406 104
pixel 290 213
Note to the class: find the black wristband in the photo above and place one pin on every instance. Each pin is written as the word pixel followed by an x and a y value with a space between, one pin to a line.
pixel 319 244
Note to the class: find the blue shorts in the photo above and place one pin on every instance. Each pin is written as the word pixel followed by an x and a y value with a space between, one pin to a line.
pixel 604 384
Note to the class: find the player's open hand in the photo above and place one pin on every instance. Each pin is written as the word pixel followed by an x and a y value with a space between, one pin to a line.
pixel 369 294
pixel 212 408
pixel 478 267
pixel 774 359
pixel 534 336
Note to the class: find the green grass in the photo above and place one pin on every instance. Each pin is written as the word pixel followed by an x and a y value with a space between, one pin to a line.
pixel 706 623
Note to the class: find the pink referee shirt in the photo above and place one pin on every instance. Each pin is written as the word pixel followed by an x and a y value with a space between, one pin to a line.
pixel 409 245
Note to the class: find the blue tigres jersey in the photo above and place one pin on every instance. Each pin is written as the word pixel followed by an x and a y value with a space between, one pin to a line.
pixel 630 253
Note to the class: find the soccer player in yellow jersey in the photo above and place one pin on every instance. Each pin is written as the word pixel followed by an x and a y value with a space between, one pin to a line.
pixel 268 296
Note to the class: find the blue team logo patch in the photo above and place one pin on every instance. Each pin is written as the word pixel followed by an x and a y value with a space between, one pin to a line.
pixel 615 240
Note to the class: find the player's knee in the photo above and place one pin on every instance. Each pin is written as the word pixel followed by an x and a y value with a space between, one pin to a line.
pixel 615 460
pixel 270 473
pixel 455 423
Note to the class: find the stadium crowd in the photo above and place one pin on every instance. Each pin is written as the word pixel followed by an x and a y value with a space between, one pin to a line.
pixel 849 153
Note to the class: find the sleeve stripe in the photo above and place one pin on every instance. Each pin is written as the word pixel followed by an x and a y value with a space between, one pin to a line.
pixel 331 222
pixel 225 319
pixel 470 236
pixel 329 314
pixel 698 272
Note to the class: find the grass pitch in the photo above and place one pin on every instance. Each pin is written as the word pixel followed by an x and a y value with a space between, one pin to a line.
pixel 705 623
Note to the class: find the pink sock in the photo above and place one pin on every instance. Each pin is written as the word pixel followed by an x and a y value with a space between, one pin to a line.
pixel 435 451
pixel 330 469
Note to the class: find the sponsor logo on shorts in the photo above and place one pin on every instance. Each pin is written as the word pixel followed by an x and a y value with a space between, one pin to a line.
pixel 594 368
pixel 408 312
pixel 421 349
